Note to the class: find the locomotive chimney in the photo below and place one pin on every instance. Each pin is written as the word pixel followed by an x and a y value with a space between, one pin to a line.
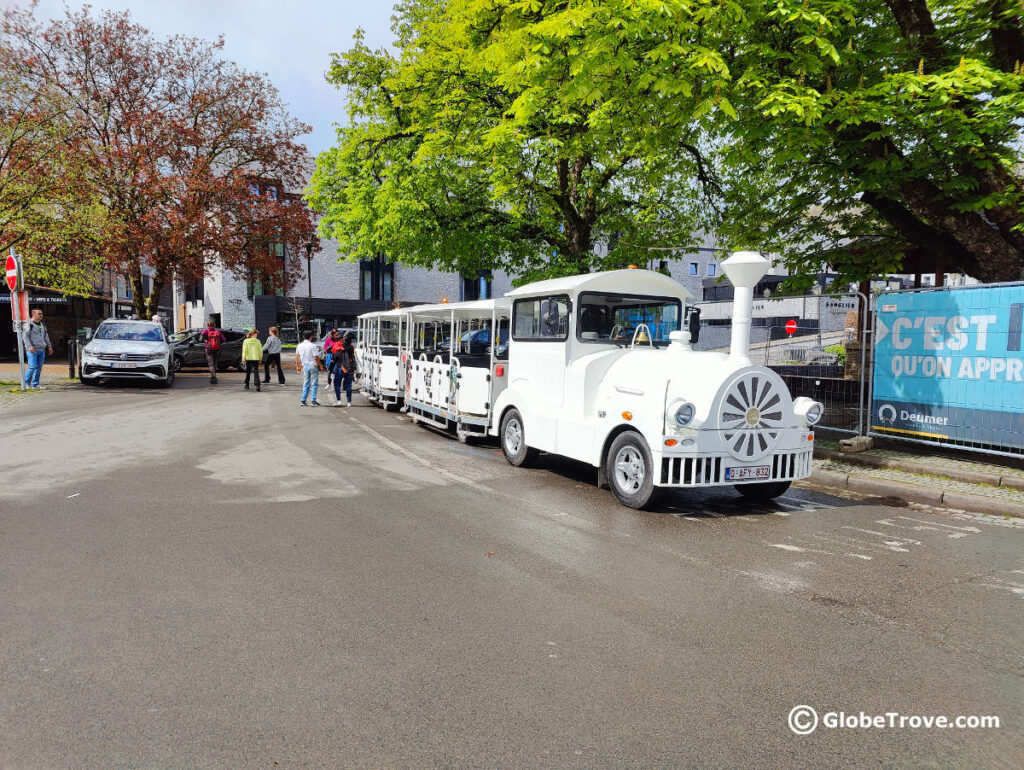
pixel 744 269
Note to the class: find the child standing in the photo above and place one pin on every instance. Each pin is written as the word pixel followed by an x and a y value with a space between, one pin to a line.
pixel 252 354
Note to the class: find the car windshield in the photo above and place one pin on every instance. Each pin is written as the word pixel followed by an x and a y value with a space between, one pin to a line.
pixel 616 319
pixel 129 331
pixel 181 336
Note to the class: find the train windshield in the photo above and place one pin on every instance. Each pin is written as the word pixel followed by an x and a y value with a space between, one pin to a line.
pixel 617 319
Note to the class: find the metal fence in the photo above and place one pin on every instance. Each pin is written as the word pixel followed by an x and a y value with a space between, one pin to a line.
pixel 948 368
pixel 814 342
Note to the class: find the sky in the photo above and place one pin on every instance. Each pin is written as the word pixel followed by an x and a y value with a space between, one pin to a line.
pixel 291 41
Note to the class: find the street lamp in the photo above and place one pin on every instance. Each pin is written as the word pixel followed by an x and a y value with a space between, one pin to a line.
pixel 309 275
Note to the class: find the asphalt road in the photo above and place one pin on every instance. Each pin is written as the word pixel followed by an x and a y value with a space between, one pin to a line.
pixel 206 577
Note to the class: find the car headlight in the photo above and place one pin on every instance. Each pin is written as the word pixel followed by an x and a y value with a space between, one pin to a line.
pixel 811 411
pixel 155 356
pixel 681 413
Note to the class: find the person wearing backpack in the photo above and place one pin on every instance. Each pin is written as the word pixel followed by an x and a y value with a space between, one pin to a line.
pixel 346 367
pixel 213 339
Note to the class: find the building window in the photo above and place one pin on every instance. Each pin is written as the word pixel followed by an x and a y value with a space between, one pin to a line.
pixel 376 279
pixel 711 269
pixel 693 268
pixel 194 291
pixel 477 287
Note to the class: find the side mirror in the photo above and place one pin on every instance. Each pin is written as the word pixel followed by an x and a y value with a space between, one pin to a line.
pixel 693 321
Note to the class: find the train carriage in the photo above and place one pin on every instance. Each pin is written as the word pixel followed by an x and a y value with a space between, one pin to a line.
pixel 379 353
pixel 456 364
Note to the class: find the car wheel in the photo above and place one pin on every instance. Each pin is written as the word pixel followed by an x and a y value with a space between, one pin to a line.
pixel 168 381
pixel 763 492
pixel 630 470
pixel 88 380
pixel 178 364
pixel 513 440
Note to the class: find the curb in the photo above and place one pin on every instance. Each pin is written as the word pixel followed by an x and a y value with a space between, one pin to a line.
pixel 972 477
pixel 914 493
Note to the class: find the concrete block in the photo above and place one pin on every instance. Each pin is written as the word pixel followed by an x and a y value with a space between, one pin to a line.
pixel 856 444
pixel 833 479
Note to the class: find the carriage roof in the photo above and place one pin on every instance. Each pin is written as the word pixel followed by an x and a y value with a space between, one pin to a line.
pixel 629 282
pixel 481 308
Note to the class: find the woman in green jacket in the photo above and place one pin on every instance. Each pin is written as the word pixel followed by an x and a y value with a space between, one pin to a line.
pixel 252 353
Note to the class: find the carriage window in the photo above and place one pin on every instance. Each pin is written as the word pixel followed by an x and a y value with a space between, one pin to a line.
pixel 545 318
pixel 389 332
pixel 615 319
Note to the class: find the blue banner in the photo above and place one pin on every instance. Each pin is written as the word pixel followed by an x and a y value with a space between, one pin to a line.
pixel 949 367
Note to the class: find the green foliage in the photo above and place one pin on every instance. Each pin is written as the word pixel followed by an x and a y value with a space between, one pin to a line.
pixel 839 351
pixel 511 134
pixel 872 127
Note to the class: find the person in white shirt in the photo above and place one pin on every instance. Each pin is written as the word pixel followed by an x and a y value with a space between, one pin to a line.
pixel 307 363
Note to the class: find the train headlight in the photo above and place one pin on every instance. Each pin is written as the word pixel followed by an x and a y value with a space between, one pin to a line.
pixel 811 411
pixel 681 413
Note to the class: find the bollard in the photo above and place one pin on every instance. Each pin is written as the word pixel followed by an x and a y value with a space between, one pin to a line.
pixel 72 356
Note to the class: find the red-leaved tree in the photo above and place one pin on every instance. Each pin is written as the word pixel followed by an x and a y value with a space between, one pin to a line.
pixel 192 157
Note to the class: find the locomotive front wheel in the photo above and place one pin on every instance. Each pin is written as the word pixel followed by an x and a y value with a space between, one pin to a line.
pixel 513 440
pixel 763 492
pixel 630 471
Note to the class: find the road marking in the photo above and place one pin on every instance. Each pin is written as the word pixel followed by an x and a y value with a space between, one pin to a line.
pixel 422 461
pixel 857 543
pixel 785 547
pixel 937 524
pixel 859 556
pixel 905 540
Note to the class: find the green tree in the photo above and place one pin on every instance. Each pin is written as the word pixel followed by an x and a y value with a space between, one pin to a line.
pixel 517 133
pixel 894 124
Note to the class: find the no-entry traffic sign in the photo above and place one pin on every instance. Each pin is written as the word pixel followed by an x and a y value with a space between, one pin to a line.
pixel 790 326
pixel 13 271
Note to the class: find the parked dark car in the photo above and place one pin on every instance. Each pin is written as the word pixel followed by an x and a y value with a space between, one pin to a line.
pixel 189 350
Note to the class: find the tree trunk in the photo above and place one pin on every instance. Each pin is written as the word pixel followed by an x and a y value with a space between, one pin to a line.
pixel 138 297
pixel 1006 34
pixel 153 303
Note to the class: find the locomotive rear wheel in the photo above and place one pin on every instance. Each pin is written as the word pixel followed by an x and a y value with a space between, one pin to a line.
pixel 763 492
pixel 630 470
pixel 513 440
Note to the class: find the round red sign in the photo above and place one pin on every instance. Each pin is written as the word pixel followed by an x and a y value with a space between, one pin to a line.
pixel 11 267
pixel 790 326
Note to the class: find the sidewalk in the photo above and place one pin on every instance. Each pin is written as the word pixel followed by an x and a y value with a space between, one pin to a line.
pixel 53 376
pixel 924 475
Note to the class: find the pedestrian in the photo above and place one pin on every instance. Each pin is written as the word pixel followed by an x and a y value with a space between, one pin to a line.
pixel 272 351
pixel 307 362
pixel 332 339
pixel 213 339
pixel 38 346
pixel 346 367
pixel 252 353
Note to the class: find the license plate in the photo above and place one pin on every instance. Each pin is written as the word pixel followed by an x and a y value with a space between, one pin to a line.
pixel 756 472
pixel 123 365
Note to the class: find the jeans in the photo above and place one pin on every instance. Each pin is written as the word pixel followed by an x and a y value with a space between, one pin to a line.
pixel 252 367
pixel 35 367
pixel 310 381
pixel 273 358
pixel 342 380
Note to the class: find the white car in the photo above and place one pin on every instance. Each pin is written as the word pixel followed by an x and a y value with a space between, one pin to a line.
pixel 127 350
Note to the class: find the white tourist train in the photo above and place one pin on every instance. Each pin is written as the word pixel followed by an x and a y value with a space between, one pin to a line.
pixel 599 368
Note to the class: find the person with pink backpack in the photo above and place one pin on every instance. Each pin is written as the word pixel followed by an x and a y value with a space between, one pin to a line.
pixel 213 340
